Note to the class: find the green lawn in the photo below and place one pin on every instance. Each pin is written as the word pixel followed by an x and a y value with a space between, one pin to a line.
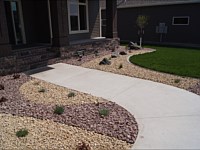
pixel 179 61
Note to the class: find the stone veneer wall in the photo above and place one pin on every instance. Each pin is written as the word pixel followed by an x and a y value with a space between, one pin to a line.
pixel 89 47
pixel 13 64
pixel 7 65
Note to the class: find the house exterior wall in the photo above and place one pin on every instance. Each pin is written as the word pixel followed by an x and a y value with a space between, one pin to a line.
pixel 187 34
pixel 94 24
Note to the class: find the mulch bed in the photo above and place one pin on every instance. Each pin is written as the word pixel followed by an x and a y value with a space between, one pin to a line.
pixel 119 123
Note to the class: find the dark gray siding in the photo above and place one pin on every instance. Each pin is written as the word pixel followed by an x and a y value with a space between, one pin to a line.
pixel 190 34
pixel 94 25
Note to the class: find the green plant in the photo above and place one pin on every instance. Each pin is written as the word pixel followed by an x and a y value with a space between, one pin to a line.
pixel 22 133
pixel 177 80
pixel 103 112
pixel 42 90
pixel 96 52
pixel 120 66
pixel 59 110
pixel 71 94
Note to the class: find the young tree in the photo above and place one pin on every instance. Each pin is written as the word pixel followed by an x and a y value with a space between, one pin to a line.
pixel 141 22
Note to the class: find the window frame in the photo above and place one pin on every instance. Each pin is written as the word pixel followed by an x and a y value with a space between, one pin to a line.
pixel 188 17
pixel 87 18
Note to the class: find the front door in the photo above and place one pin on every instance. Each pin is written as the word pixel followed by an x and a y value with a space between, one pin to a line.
pixel 15 21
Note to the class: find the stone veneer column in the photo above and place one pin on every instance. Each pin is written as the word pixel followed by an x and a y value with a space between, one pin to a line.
pixel 60 26
pixel 5 47
pixel 111 19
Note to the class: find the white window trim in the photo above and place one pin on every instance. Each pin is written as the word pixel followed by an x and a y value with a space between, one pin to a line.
pixel 87 19
pixel 181 17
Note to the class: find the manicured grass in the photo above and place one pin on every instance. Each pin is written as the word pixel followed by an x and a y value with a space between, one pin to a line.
pixel 179 61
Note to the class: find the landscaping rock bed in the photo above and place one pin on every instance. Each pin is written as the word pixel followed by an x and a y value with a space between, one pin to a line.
pixel 54 94
pixel 46 134
pixel 120 65
pixel 80 110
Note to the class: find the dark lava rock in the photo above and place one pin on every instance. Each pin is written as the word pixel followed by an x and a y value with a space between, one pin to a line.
pixel 3 99
pixel 122 53
pixel 114 55
pixel 1 87
pixel 16 76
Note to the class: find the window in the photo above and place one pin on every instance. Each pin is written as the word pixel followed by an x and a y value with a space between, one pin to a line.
pixel 184 20
pixel 78 16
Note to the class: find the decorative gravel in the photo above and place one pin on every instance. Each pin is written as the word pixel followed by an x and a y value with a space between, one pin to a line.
pixel 84 113
pixel 54 94
pixel 132 70
pixel 46 134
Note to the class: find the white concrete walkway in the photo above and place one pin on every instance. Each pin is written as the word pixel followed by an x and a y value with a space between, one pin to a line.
pixel 168 117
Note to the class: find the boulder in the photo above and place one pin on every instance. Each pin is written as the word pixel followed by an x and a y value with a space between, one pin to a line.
pixel 134 46
pixel 105 61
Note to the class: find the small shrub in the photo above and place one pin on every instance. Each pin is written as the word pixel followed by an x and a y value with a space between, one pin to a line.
pixel 177 80
pixel 3 99
pixel 103 112
pixel 96 52
pixel 120 66
pixel 83 146
pixel 71 94
pixel 59 110
pixel 16 76
pixel 42 90
pixel 22 133
pixel 1 87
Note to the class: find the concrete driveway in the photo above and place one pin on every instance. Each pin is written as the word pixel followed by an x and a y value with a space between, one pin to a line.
pixel 168 117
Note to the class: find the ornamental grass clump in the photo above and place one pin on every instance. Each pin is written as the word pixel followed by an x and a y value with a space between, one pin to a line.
pixel 22 133
pixel 71 94
pixel 42 90
pixel 59 110
pixel 177 80
pixel 103 112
